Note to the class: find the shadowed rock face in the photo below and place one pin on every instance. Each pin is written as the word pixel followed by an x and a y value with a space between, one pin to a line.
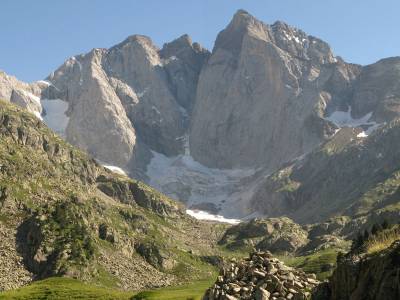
pixel 378 89
pixel 365 277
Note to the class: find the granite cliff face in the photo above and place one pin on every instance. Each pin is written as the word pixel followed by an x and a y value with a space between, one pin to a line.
pixel 210 128
pixel 130 99
pixel 269 86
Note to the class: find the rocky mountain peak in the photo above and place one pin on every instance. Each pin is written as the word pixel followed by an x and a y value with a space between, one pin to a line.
pixel 135 39
pixel 183 48
pixel 183 41
pixel 242 24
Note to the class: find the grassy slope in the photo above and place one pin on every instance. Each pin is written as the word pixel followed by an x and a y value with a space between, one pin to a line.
pixel 192 291
pixel 66 288
pixel 319 263
pixel 63 288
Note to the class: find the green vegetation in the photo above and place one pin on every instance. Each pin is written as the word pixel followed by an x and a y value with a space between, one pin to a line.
pixel 379 238
pixel 322 263
pixel 60 288
pixel 382 239
pixel 192 291
pixel 73 217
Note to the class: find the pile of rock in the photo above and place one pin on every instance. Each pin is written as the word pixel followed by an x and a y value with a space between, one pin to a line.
pixel 261 277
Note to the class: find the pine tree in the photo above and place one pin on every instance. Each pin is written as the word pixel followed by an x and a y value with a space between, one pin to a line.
pixel 385 224
pixel 366 235
pixel 376 228
pixel 357 242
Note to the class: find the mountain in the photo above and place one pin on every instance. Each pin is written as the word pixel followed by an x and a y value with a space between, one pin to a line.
pixel 269 126
pixel 210 128
pixel 62 214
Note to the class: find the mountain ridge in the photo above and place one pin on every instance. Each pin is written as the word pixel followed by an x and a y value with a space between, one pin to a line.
pixel 142 108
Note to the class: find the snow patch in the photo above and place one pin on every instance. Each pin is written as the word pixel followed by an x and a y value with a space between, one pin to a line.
pixel 203 215
pixel 115 169
pixel 37 115
pixel 54 115
pixel 45 82
pixel 344 119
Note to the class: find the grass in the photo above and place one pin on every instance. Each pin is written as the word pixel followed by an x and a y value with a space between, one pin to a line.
pixel 321 263
pixel 192 291
pixel 60 288
pixel 63 288
pixel 382 240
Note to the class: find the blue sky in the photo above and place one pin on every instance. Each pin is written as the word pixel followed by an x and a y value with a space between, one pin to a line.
pixel 37 36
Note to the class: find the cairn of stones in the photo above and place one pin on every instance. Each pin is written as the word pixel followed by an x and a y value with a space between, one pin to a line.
pixel 261 277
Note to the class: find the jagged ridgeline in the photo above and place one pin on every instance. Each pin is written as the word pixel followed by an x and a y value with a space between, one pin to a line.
pixel 61 213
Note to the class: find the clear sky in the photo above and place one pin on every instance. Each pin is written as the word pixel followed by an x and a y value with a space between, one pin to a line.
pixel 37 36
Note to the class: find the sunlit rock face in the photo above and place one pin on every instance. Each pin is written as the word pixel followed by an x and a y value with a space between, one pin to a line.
pixel 268 87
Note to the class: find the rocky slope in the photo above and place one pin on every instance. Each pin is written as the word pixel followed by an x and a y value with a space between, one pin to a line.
pixel 370 271
pixel 62 214
pixel 207 128
pixel 348 175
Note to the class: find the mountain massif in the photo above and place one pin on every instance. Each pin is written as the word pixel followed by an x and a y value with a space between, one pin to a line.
pixel 270 127
pixel 222 120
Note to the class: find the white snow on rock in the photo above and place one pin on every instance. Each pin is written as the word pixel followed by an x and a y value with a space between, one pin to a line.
pixel 37 115
pixel 45 82
pixel 54 115
pixel 362 134
pixel 203 215
pixel 115 169
pixel 344 119
pixel 182 178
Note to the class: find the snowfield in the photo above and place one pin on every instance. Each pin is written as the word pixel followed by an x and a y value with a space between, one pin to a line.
pixel 203 215
pixel 182 178
pixel 115 169
pixel 344 119
pixel 54 115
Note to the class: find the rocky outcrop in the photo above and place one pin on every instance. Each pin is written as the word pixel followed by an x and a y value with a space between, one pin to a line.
pixel 280 235
pixel 21 93
pixel 261 277
pixel 365 277
pixel 135 193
